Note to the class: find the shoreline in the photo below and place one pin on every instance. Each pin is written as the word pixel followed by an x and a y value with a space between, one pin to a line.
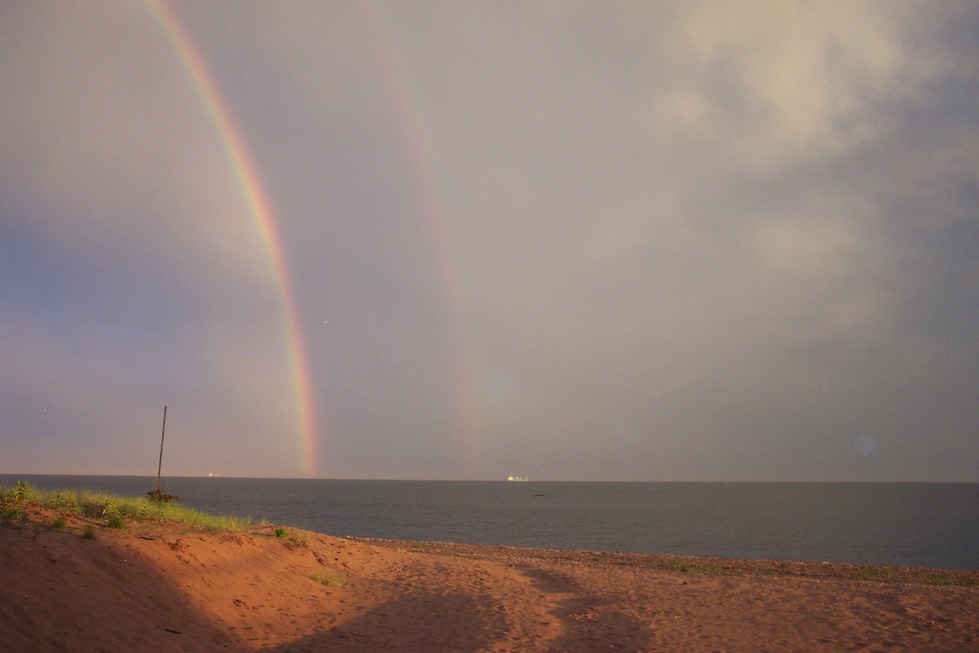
pixel 871 524
pixel 155 586
pixel 709 565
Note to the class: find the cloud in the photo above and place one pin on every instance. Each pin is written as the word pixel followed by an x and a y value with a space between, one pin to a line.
pixel 698 230
pixel 686 241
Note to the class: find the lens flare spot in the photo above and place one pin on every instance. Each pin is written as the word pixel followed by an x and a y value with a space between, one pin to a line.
pixel 865 445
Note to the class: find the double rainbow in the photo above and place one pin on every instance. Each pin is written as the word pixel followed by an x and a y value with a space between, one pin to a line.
pixel 419 144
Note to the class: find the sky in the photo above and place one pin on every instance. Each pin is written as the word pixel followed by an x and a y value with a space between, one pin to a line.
pixel 615 241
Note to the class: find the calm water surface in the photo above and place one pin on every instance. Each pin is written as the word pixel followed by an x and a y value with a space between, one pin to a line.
pixel 920 524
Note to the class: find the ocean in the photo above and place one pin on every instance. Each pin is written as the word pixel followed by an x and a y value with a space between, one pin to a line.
pixel 910 524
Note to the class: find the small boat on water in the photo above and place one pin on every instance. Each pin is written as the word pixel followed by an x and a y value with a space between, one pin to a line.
pixel 516 478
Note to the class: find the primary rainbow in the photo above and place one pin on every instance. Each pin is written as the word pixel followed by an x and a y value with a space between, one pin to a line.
pixel 263 220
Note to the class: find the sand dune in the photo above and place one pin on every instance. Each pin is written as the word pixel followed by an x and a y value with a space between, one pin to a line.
pixel 166 587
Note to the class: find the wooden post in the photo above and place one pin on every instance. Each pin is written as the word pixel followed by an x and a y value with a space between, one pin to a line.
pixel 159 467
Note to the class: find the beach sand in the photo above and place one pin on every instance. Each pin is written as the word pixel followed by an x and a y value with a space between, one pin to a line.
pixel 167 587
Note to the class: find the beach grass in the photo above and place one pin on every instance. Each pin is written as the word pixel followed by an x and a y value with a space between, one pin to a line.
pixel 335 580
pixel 116 511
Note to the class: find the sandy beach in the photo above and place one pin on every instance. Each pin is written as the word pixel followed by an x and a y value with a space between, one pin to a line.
pixel 169 587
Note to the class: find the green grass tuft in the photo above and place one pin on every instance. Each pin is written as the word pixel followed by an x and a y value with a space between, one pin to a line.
pixel 11 513
pixel 115 510
pixel 295 541
pixel 337 580
pixel 691 567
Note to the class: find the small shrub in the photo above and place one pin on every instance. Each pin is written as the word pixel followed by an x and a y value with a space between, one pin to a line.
pixel 113 516
pixel 59 523
pixel 89 533
pixel 92 506
pixel 11 513
pixel 675 565
pixel 22 492
pixel 281 532
pixel 693 568
pixel 294 541
pixel 339 580
pixel 115 520
pixel 63 502
pixel 863 573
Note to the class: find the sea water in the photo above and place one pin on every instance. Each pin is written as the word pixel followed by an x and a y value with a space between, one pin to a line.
pixel 916 524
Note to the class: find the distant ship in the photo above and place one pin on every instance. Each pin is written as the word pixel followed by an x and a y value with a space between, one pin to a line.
pixel 516 478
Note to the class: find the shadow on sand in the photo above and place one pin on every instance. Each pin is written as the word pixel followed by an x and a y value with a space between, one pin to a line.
pixel 60 589
pixel 437 622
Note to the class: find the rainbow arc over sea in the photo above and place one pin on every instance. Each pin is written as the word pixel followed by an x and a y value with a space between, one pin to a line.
pixel 262 217
pixel 420 144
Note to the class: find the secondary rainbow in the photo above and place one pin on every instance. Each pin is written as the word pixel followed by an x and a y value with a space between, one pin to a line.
pixel 262 218
pixel 420 143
